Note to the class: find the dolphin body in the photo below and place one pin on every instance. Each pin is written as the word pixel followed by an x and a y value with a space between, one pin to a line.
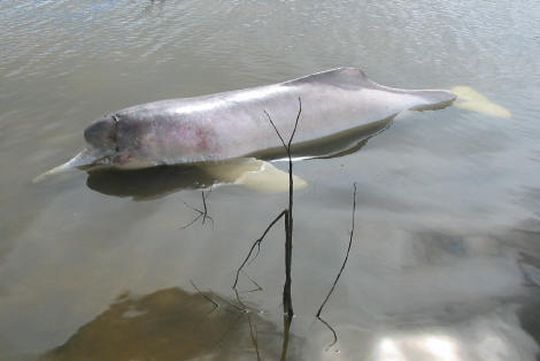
pixel 233 124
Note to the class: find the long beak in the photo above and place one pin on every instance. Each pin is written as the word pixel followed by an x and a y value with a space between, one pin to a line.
pixel 83 159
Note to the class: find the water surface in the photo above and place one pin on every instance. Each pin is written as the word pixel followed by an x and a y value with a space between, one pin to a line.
pixel 445 260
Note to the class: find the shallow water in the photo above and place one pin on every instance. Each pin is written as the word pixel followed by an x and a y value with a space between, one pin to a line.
pixel 445 259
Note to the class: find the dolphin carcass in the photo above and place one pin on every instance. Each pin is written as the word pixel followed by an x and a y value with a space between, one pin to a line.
pixel 235 124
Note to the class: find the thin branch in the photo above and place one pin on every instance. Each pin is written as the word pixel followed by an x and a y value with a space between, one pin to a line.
pixel 205 209
pixel 286 145
pixel 256 254
pixel 288 311
pixel 287 287
pixel 351 237
pixel 191 222
pixel 331 329
pixel 275 129
pixel 201 213
pixel 243 307
pixel 255 244
pixel 236 307
pixel 295 123
pixel 257 286
pixel 254 339
pixel 216 305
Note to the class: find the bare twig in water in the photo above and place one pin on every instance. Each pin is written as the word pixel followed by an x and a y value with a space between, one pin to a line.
pixel 351 237
pixel 287 299
pixel 216 305
pixel 255 244
pixel 254 338
pixel 201 213
pixel 287 213
pixel 288 311
pixel 240 310
pixel 257 286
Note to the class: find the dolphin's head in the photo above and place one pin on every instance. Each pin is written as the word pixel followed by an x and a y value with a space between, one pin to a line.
pixel 103 148
pixel 101 138
pixel 115 140
pixel 101 134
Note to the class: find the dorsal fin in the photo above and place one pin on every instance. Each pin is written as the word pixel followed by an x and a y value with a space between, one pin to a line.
pixel 340 77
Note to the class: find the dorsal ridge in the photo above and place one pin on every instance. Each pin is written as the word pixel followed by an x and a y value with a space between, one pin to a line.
pixel 344 77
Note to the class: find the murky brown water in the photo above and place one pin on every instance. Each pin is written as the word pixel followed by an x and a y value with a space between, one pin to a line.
pixel 447 248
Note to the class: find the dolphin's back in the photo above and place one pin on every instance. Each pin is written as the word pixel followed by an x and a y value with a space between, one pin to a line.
pixel 234 124
pixel 354 79
pixel 346 78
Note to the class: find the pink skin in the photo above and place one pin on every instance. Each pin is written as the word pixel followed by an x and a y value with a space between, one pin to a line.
pixel 232 124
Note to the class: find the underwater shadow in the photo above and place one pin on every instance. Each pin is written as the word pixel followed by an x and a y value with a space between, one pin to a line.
pixel 172 324
pixel 151 183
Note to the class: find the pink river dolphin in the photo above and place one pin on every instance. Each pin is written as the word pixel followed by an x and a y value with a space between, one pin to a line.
pixel 233 124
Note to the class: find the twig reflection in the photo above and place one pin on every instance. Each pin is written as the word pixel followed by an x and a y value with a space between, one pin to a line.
pixel 200 213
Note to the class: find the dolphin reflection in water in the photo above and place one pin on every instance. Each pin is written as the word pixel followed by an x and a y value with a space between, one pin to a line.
pixel 341 106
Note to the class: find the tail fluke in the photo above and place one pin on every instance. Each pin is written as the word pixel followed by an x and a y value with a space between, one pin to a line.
pixel 470 99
